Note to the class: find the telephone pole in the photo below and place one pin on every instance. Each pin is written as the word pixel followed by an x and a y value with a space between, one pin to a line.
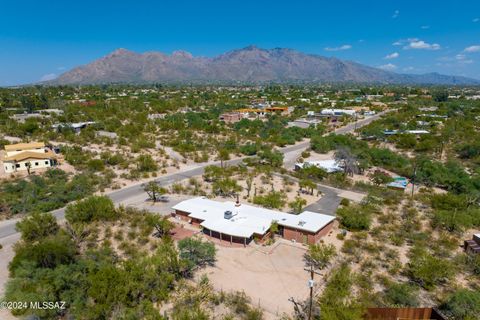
pixel 311 283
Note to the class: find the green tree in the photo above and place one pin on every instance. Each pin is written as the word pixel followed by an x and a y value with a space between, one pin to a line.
pixel 145 163
pixel 274 200
pixel 196 253
pixel 154 190
pixel 270 157
pixel 94 208
pixel 307 184
pixel 354 217
pixel 297 204
pixel 37 226
pixel 223 155
pixel 319 255
pixel 162 225
pixel 46 253
pixel 337 300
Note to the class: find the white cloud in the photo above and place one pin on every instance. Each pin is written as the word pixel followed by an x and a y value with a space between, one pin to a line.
pixel 343 47
pixel 463 59
pixel 421 45
pixel 410 68
pixel 48 77
pixel 425 27
pixel 392 56
pixel 388 67
pixel 61 68
pixel 401 42
pixel 476 20
pixel 396 13
pixel 471 49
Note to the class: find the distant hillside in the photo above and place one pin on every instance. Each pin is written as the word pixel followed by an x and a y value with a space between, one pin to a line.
pixel 247 65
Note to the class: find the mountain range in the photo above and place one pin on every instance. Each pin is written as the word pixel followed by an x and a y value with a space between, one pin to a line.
pixel 247 65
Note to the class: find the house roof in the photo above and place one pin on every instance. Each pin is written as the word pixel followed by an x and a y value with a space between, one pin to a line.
pixel 30 155
pixel 24 146
pixel 327 165
pixel 247 220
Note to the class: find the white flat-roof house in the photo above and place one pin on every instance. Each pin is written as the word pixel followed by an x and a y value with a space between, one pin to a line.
pixel 75 126
pixel 241 223
pixel 330 166
pixel 27 156
pixel 338 112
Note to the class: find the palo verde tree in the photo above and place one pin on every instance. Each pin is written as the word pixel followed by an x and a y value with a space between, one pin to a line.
pixel 154 190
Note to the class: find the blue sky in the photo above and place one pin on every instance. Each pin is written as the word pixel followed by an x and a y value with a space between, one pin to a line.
pixel 41 39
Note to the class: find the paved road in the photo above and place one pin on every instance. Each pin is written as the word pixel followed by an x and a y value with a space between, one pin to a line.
pixel 327 204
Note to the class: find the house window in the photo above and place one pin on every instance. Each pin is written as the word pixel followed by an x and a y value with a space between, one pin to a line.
pixel 17 165
pixel 36 164
pixel 46 162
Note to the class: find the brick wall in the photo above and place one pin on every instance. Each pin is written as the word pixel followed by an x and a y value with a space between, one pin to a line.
pixel 306 237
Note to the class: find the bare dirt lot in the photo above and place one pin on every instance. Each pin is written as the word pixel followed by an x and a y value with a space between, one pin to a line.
pixel 268 275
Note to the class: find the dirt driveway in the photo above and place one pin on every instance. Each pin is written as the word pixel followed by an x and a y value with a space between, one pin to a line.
pixel 268 276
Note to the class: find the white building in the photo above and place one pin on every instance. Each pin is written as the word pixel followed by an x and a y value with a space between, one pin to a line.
pixel 28 156
pixel 330 166
pixel 241 223
pixel 338 112
pixel 75 126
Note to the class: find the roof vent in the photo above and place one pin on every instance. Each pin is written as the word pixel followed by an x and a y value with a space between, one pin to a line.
pixel 301 223
pixel 228 214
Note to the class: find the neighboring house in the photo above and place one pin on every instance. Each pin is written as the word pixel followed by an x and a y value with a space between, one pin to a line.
pixel 395 132
pixel 280 110
pixel 330 166
pixel 75 126
pixel 473 246
pixel 231 117
pixel 28 156
pixel 338 112
pixel 304 123
pixel 241 223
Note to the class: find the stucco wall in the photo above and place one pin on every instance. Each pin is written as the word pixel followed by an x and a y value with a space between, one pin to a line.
pixel 35 164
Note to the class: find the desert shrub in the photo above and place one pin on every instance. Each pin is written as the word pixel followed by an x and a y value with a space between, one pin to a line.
pixel 94 208
pixel 37 226
pixel 463 304
pixel 354 218
pixel 401 294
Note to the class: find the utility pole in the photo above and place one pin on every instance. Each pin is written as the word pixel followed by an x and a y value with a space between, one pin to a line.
pixel 311 284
